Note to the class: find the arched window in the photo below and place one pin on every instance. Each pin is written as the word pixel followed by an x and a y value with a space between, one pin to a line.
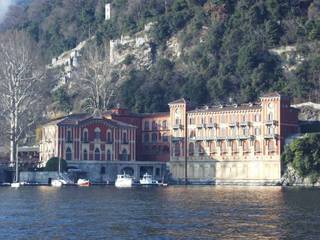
pixel 212 147
pixel 257 146
pixel 146 137
pixel 124 155
pixel 245 146
pixel 200 148
pixel 85 154
pixel 177 149
pixel 271 147
pixel 69 135
pixel 68 154
pixel 97 154
pixel 109 137
pixel 154 125
pixel 191 149
pixel 124 138
pixel 97 134
pixel 154 137
pixel 146 125
pixel 164 124
pixel 192 133
pixel 85 135
pixel 108 155
pixel 234 147
pixel 223 147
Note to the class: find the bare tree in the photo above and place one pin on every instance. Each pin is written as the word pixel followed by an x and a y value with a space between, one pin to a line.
pixel 20 78
pixel 94 78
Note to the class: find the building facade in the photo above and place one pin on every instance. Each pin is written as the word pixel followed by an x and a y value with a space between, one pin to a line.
pixel 218 144
pixel 231 144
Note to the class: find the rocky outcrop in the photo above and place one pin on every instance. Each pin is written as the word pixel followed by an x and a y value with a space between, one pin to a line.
pixel 292 178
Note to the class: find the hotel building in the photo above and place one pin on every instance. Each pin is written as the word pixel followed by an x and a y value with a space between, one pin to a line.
pixel 219 144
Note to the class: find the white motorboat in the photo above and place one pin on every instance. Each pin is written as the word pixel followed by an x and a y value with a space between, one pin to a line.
pixel 15 184
pixel 124 181
pixel 148 180
pixel 56 183
pixel 83 182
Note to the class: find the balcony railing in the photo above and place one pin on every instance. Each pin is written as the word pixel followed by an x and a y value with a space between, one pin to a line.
pixel 202 125
pixel 125 142
pixel 211 125
pixel 85 141
pixel 271 136
pixel 177 126
pixel 233 124
pixel 245 123
pixel 109 142
pixel 271 122
pixel 176 139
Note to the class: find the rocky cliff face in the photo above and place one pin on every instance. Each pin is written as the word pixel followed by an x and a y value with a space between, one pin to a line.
pixel 292 178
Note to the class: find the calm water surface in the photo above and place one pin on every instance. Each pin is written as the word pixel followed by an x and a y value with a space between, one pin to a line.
pixel 179 212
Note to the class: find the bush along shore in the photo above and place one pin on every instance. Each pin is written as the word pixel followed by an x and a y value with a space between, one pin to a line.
pixel 302 161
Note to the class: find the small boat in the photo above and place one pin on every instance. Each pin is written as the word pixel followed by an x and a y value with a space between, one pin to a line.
pixel 124 181
pixel 148 180
pixel 83 182
pixel 15 184
pixel 56 183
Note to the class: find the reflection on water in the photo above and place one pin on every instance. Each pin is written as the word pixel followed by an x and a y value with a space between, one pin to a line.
pixel 179 212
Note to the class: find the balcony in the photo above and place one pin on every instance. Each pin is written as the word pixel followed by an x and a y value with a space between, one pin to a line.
pixel 245 124
pixel 202 125
pixel 125 142
pixel 85 141
pixel 211 138
pixel 271 136
pixel 271 122
pixel 243 137
pixel 177 126
pixel 233 124
pixel 220 138
pixel 211 125
pixel 176 139
pixel 233 137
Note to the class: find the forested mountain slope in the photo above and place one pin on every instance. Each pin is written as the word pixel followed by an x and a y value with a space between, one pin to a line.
pixel 226 45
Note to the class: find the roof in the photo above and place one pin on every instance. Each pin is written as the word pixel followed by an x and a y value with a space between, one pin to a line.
pixel 222 108
pixel 155 114
pixel 181 100
pixel 272 94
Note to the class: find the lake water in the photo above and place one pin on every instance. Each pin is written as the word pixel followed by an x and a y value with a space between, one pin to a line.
pixel 175 212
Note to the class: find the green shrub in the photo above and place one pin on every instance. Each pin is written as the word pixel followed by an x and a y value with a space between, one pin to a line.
pixel 53 165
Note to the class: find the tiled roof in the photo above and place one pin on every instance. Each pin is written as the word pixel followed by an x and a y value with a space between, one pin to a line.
pixel 222 108
pixel 272 94
pixel 155 114
pixel 181 100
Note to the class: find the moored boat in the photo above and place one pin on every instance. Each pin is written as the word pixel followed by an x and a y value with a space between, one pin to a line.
pixel 56 183
pixel 15 184
pixel 124 181
pixel 148 180
pixel 83 182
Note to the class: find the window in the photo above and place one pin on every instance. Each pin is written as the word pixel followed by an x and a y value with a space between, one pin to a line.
pixel 257 131
pixel 191 149
pixel 257 146
pixel 157 172
pixel 103 170
pixel 85 135
pixel 146 125
pixel 271 147
pixel 97 154
pixel 234 147
pixel 154 137
pixel 223 132
pixel 164 124
pixel 234 131
pixel 124 138
pixel 124 155
pixel 270 130
pixel 200 148
pixel 177 121
pixel 68 154
pixel 270 116
pixel 192 133
pixel 69 136
pixel 212 147
pixel 165 138
pixel 109 137
pixel 85 154
pixel 97 134
pixel 146 137
pixel 244 118
pixel 108 155
pixel 177 149
pixel 257 117
pixel 223 147
pixel 166 149
pixel 245 146
pixel 154 125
